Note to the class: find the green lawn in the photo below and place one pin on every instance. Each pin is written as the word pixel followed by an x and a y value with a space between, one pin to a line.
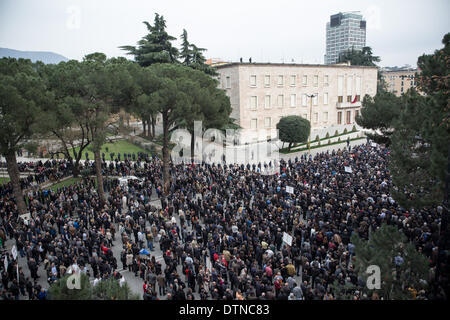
pixel 121 147
pixel 4 180
pixel 65 183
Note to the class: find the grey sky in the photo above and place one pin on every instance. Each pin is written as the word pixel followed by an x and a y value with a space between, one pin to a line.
pixel 268 31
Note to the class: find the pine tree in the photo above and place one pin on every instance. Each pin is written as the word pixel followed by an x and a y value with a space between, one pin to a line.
pixel 156 46
pixel 401 266
pixel 420 143
pixel 378 113
pixel 185 52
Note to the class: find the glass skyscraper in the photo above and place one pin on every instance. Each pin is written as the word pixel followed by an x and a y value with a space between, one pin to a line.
pixel 345 31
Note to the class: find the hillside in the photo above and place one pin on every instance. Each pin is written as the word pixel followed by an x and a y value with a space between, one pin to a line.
pixel 44 56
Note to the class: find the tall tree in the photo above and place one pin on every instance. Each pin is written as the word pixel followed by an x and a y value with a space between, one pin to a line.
pixel 99 88
pixel 185 52
pixel 179 93
pixel 156 46
pixel 420 143
pixel 378 114
pixel 22 95
pixel 69 116
pixel 211 106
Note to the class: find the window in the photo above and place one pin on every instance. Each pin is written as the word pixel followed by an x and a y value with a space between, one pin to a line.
pixel 254 124
pixel 349 117
pixel 267 122
pixel 305 115
pixel 325 116
pixel 280 80
pixel 325 80
pixel 316 81
pixel 340 85
pixel 325 98
pixel 339 118
pixel 267 102
pixel 305 80
pixel 253 102
pixel 349 98
pixel 293 98
pixel 340 99
pixel 304 100
pixel 293 80
pixel 356 114
pixel 228 82
pixel 358 98
pixel 316 117
pixel 267 81
pixel 315 99
pixel 253 81
pixel 280 101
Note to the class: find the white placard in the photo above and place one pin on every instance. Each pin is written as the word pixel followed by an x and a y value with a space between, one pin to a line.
pixel 14 252
pixel 290 189
pixel 348 169
pixel 287 239
pixel 373 144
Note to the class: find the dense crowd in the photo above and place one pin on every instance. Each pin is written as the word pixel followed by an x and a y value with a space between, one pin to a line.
pixel 220 229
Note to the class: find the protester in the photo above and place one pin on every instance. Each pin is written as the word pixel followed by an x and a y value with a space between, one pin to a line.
pixel 220 229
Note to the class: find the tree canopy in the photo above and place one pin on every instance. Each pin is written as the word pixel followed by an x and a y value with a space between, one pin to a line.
pixel 23 95
pixel 293 129
pixel 362 57
pixel 420 142
pixel 156 46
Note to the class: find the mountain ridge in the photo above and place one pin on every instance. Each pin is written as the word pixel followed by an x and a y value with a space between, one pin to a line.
pixel 46 57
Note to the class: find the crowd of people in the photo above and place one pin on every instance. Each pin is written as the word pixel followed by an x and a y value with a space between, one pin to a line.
pixel 220 229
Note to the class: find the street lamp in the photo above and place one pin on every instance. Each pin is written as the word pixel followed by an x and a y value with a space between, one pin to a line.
pixel 310 122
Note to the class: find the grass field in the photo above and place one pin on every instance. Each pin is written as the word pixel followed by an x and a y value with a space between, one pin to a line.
pixel 4 180
pixel 65 183
pixel 121 147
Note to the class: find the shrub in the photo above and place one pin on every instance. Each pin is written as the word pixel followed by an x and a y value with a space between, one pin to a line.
pixel 329 141
pixel 317 138
pixel 354 128
pixel 327 135
pixel 318 143
pixel 339 139
pixel 345 130
pixel 336 133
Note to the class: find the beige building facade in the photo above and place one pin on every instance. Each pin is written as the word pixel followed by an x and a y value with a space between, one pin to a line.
pixel 400 81
pixel 327 95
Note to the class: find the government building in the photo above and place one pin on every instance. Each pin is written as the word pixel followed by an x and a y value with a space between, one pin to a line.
pixel 327 95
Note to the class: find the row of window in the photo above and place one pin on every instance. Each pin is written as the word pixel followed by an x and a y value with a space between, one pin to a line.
pixel 315 119
pixel 292 80
pixel 280 102
pixel 348 116
pixel 268 120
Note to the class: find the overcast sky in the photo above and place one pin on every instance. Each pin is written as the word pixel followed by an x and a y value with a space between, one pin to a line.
pixel 268 31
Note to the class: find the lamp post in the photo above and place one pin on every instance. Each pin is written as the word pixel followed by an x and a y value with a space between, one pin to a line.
pixel 310 122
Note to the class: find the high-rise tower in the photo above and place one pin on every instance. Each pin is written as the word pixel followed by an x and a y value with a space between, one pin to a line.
pixel 346 30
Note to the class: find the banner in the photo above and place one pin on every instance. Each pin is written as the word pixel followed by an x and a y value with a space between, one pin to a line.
pixel 348 169
pixel 290 189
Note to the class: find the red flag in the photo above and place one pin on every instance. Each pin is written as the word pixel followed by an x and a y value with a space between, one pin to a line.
pixel 354 100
